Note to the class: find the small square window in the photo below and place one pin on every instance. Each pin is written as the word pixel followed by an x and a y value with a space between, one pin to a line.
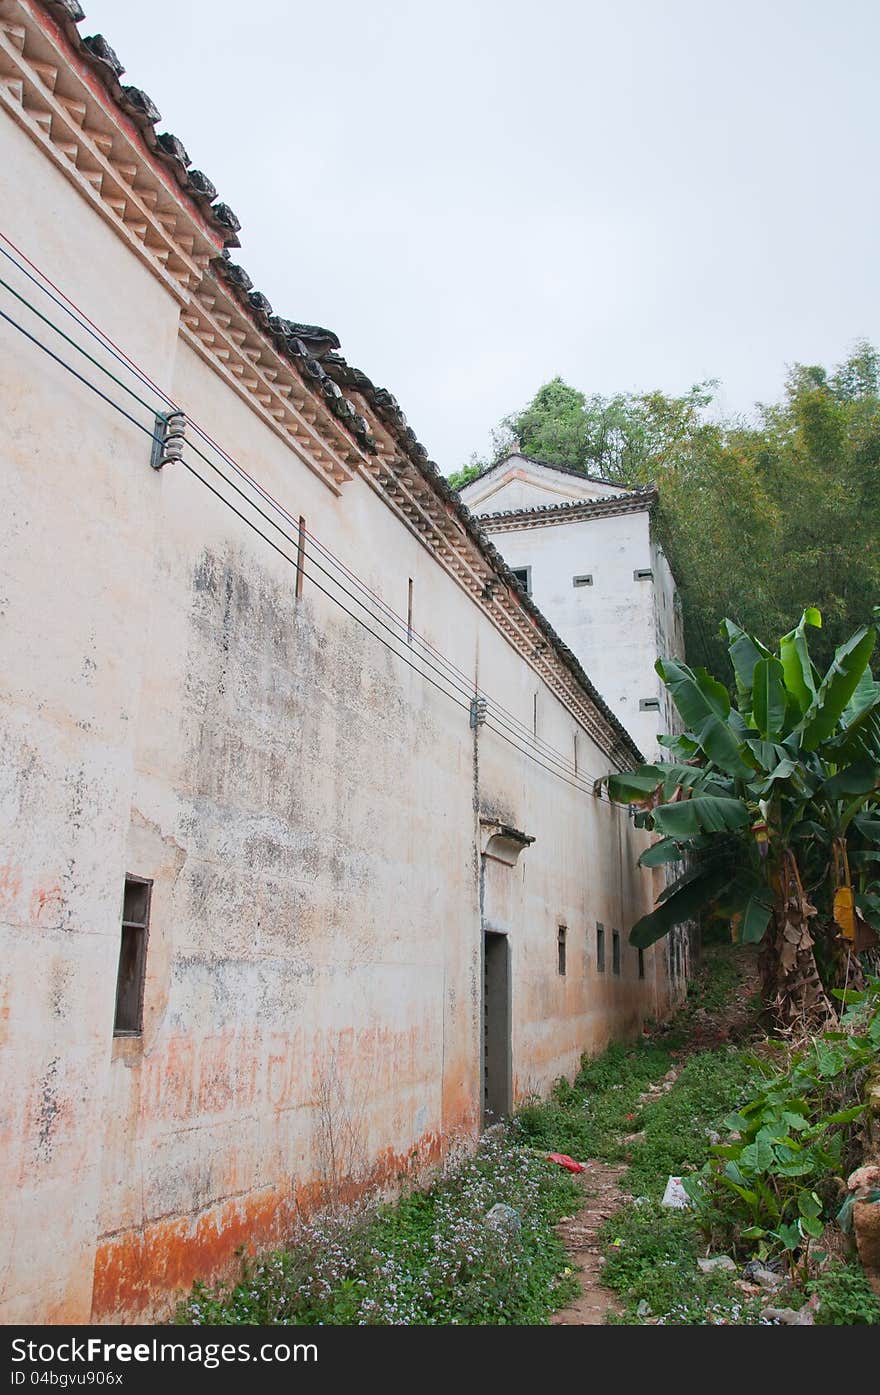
pixel 585 580
pixel 600 948
pixel 524 577
pixel 615 952
pixel 643 574
pixel 649 704
pixel 561 935
pixel 131 972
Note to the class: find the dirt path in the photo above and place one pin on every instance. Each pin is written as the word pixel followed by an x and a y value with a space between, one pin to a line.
pixel 580 1232
pixel 603 1195
pixel 580 1235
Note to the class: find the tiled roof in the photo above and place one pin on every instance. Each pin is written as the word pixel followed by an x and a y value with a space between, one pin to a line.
pixel 644 496
pixel 142 111
pixel 312 349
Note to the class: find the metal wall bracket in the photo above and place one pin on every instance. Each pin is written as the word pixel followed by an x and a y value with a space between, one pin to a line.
pixel 169 438
pixel 479 711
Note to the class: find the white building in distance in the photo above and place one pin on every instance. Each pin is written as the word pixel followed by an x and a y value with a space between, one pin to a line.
pixel 586 553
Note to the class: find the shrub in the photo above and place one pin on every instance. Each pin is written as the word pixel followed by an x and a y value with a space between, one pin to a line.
pixel 777 1180
pixel 846 1298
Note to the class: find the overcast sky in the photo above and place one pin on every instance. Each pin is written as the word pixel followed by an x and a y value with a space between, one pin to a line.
pixel 479 195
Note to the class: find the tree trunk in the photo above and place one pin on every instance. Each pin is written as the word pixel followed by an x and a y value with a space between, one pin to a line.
pixel 792 988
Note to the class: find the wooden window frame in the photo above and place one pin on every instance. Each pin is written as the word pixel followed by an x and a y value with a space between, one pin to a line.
pixel 141 928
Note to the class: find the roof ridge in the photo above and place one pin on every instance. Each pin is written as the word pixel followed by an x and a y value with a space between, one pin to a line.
pixel 643 494
pixel 547 464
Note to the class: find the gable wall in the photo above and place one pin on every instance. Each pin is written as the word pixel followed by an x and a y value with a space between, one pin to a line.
pixel 522 484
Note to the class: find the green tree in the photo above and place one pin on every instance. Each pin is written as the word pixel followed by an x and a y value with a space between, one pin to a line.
pixel 773 802
pixel 754 515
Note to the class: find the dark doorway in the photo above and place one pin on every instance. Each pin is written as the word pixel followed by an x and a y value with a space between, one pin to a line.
pixel 496 1028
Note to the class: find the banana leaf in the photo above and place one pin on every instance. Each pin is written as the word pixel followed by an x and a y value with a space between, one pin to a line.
pixel 684 899
pixel 800 675
pixel 704 705
pixel 769 698
pixel 866 696
pixel 859 778
pixel 838 687
pixel 860 737
pixel 701 814
pixel 634 786
pixel 667 850
pixel 745 651
pixel 768 754
pixel 750 899
pixel 684 747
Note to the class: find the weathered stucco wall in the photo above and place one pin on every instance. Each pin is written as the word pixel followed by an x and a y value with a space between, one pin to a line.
pixel 307 807
pixel 610 623
pixel 75 568
pixel 669 631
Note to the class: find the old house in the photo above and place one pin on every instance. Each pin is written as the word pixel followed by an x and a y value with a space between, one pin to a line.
pixel 588 555
pixel 302 879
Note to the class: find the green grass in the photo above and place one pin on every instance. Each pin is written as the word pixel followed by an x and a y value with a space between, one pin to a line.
pixel 428 1259
pixel 587 1119
pixel 651 1251
pixel 713 989
pixel 431 1259
pixel 651 1258
pixel 677 1124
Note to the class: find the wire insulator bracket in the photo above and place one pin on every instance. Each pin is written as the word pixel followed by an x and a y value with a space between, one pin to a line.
pixel 169 438
pixel 479 711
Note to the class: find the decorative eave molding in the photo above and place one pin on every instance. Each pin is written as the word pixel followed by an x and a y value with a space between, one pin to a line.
pixel 215 325
pixel 71 118
pixel 550 515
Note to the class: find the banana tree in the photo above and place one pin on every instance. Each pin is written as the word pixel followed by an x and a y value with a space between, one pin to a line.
pixel 772 803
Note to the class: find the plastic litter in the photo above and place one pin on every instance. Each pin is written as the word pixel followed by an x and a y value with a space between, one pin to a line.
pixel 565 1161
pixel 675 1195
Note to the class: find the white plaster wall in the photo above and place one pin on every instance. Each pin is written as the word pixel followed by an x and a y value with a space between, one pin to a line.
pixel 669 630
pixel 75 564
pixel 306 806
pixel 610 626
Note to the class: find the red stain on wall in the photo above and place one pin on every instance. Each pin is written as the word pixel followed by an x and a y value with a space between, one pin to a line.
pixel 142 1273
pixel 44 900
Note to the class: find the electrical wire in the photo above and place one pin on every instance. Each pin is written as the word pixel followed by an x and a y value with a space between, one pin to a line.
pixel 292 561
pixel 451 680
pixel 558 766
pixel 82 320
